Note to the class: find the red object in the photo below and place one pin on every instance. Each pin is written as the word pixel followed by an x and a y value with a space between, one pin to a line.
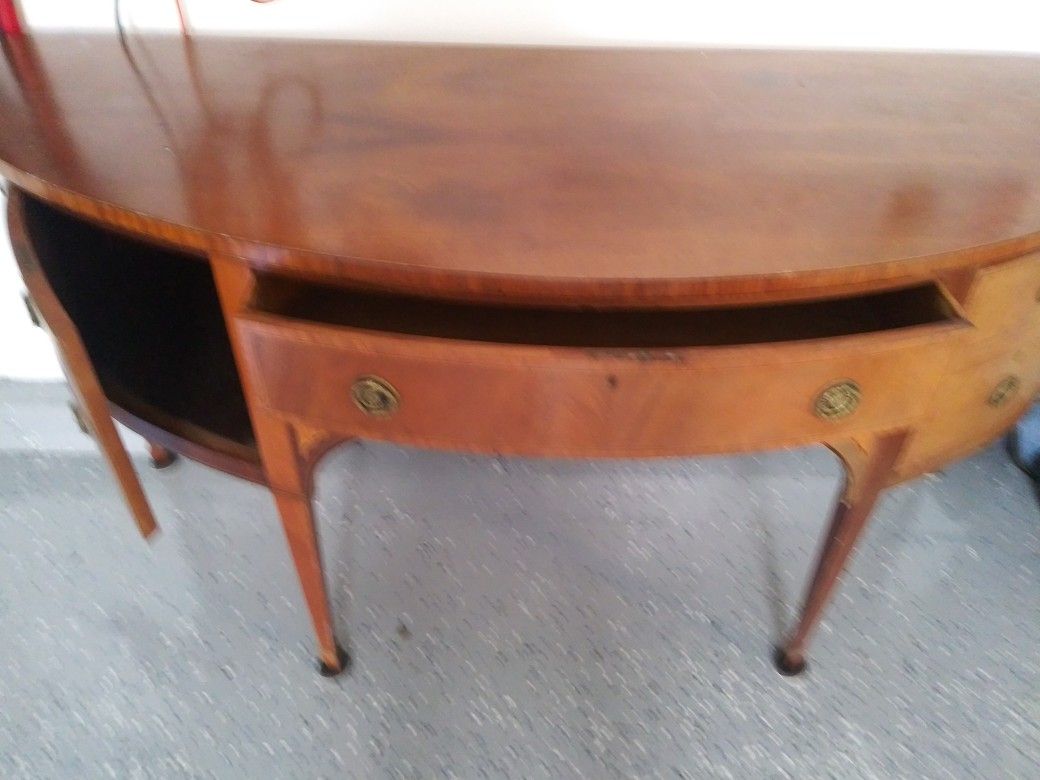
pixel 10 24
pixel 182 16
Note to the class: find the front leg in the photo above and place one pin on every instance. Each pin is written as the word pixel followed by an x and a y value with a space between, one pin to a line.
pixel 868 469
pixel 90 406
pixel 289 452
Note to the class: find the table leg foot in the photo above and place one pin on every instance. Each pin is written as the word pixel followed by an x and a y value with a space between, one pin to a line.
pixel 342 665
pixel 160 456
pixel 787 665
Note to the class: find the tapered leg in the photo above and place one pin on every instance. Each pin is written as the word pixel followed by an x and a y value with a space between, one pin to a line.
pixel 90 406
pixel 93 408
pixel 161 457
pixel 289 452
pixel 866 477
pixel 302 535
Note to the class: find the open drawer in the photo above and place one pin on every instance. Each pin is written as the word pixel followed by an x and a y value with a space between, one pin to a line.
pixel 622 383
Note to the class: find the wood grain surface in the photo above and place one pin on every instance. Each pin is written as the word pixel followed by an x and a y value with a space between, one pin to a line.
pixel 606 176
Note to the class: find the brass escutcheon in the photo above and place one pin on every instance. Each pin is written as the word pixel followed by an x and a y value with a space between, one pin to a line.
pixel 375 396
pixel 34 313
pixel 837 401
pixel 1002 393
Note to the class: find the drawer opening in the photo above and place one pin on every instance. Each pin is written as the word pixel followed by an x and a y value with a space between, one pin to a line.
pixel 888 310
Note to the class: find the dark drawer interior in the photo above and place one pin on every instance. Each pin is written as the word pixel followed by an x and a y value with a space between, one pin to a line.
pixel 614 328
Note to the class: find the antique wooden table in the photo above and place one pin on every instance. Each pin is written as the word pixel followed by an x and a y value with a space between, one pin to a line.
pixel 251 250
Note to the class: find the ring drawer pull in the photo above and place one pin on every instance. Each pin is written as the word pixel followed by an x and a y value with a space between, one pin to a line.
pixel 837 401
pixel 1006 388
pixel 375 396
pixel 34 314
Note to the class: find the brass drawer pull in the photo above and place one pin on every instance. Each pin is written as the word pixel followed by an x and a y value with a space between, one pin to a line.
pixel 837 401
pixel 375 396
pixel 1002 393
pixel 34 314
pixel 80 418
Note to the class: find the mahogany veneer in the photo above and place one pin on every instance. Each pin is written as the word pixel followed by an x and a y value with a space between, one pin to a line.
pixel 251 250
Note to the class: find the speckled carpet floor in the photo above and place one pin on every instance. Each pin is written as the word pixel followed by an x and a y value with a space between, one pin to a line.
pixel 509 618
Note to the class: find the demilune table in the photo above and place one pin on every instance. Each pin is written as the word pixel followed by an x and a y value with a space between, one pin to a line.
pixel 250 251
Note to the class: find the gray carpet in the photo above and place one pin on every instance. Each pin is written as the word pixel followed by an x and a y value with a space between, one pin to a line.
pixel 509 618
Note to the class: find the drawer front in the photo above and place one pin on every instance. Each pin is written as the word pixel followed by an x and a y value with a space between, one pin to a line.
pixel 988 385
pixel 589 403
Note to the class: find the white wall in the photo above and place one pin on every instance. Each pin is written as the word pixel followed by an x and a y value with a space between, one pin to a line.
pixel 25 351
pixel 995 25
pixel 934 24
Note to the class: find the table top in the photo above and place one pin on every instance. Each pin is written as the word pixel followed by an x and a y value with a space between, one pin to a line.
pixel 606 176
